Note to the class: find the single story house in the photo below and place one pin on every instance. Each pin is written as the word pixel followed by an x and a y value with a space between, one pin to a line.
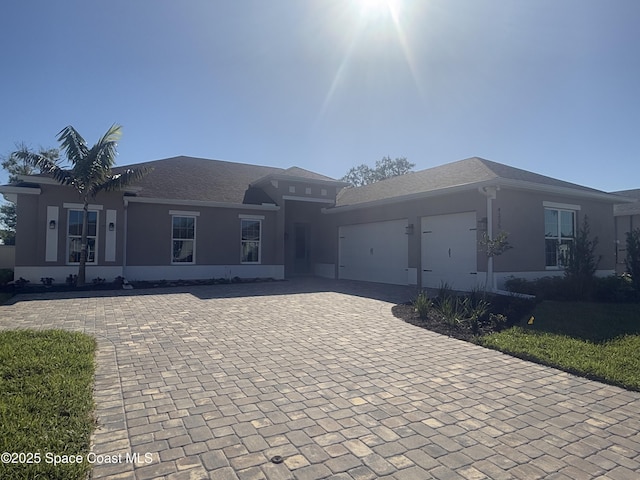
pixel 627 218
pixel 194 218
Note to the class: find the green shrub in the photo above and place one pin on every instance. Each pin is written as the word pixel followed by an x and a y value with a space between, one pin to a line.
pixel 422 304
pixel 545 288
pixel 6 276
pixel 613 289
pixel 582 262
pixel 602 289
pixel 633 257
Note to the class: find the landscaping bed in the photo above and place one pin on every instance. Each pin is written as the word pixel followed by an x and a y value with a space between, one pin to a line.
pixel 465 317
pixel 599 341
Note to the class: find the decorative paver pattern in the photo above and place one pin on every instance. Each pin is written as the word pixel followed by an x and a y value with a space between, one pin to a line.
pixel 212 382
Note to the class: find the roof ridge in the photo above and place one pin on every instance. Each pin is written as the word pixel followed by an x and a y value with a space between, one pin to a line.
pixel 188 157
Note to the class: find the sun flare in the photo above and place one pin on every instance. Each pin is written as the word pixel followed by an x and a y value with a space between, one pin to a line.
pixel 377 8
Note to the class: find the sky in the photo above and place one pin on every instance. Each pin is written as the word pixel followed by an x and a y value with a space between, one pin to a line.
pixel 550 86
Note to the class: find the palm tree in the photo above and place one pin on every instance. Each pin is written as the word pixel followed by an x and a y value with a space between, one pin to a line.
pixel 90 173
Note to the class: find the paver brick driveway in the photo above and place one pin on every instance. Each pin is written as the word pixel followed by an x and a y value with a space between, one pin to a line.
pixel 215 381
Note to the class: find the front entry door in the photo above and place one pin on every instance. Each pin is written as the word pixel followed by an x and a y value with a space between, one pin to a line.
pixel 301 239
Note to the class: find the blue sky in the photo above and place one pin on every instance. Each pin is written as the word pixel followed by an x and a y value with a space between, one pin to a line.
pixel 546 85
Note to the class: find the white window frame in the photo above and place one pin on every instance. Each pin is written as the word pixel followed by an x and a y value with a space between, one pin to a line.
pixel 250 218
pixel 178 214
pixel 74 208
pixel 559 208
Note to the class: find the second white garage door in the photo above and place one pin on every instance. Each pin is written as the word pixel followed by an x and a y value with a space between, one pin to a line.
pixel 374 252
pixel 449 251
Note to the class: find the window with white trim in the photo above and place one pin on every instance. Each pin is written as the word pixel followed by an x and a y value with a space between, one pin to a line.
pixel 74 235
pixel 559 234
pixel 183 239
pixel 250 240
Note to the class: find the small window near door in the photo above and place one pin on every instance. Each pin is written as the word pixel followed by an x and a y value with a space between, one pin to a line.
pixel 250 240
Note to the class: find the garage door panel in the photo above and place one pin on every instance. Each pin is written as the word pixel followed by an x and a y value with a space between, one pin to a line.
pixel 374 252
pixel 449 250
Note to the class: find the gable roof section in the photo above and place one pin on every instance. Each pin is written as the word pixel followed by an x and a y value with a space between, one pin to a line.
pixel 465 174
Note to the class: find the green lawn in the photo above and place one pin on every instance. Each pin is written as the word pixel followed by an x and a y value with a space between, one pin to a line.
pixel 596 340
pixel 46 401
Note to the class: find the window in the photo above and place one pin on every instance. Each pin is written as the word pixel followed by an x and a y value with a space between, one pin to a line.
pixel 183 239
pixel 559 234
pixel 74 235
pixel 250 240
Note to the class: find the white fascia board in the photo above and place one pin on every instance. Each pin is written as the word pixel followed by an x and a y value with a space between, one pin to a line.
pixel 566 191
pixel 20 190
pixel 199 203
pixel 51 181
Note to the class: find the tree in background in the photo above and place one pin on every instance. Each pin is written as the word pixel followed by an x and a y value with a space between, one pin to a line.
pixel 385 168
pixel 15 166
pixel 90 173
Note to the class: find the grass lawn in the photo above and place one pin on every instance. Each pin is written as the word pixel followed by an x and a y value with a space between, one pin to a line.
pixel 596 340
pixel 46 401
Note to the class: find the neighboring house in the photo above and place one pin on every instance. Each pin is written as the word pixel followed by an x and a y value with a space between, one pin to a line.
pixel 627 218
pixel 194 218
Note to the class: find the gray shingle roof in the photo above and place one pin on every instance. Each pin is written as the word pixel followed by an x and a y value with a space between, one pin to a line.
pixel 189 178
pixel 470 171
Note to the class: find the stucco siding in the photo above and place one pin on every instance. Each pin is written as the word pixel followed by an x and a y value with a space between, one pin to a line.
pixel 33 226
pixel 521 214
pixel 217 235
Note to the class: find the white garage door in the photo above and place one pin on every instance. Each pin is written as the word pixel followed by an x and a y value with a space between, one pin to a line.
pixel 449 251
pixel 374 252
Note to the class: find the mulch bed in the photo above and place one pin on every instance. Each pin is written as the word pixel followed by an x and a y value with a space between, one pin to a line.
pixel 434 322
pixel 515 309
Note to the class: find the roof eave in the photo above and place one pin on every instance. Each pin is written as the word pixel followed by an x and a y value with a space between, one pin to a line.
pixel 201 203
pixel 50 181
pixel 497 182
pixel 567 191
pixel 20 190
